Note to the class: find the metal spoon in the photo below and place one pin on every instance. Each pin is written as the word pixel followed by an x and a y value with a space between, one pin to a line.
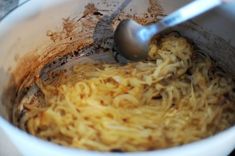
pixel 132 39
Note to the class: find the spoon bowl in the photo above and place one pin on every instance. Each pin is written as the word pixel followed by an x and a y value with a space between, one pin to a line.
pixel 132 39
pixel 129 42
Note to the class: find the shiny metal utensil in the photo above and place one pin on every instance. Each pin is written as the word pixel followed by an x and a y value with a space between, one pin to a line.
pixel 132 39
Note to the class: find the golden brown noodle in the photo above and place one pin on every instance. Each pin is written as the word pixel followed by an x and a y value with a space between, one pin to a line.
pixel 175 99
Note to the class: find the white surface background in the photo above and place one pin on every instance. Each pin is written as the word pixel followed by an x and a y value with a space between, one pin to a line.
pixel 6 147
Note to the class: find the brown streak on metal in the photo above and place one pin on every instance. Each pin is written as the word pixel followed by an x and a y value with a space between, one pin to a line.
pixel 155 9
pixel 74 35
pixel 32 63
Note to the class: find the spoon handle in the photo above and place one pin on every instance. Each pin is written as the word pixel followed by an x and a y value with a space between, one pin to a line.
pixel 189 11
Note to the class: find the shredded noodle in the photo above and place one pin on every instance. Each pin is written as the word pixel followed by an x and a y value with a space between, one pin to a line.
pixel 176 97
